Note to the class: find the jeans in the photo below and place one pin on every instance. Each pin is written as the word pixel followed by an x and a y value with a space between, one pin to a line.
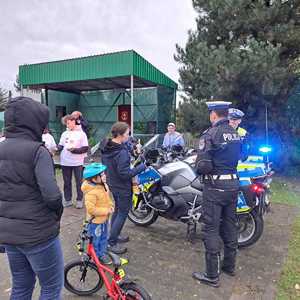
pixel 123 203
pixel 44 261
pixel 99 234
pixel 67 176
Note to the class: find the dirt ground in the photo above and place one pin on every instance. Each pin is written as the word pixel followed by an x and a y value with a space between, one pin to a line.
pixel 163 261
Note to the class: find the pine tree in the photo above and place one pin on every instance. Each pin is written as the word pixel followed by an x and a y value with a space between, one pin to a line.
pixel 245 51
pixel 3 99
pixel 17 84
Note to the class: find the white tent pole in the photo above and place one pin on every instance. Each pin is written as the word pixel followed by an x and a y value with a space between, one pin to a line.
pixel 131 103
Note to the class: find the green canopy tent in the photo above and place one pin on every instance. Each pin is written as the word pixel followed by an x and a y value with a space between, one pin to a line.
pixel 121 76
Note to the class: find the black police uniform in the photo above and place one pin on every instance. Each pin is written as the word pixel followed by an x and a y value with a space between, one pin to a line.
pixel 218 155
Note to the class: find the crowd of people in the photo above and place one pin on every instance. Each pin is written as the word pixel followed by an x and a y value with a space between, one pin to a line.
pixel 32 204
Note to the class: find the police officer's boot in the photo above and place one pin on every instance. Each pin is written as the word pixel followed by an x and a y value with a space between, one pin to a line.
pixel 228 263
pixel 211 276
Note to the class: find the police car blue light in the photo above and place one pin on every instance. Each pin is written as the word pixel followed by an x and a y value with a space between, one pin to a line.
pixel 265 149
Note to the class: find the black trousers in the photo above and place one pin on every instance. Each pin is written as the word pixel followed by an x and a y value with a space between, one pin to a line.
pixel 220 224
pixel 67 176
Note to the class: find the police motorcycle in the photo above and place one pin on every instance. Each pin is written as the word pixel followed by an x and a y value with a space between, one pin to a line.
pixel 171 190
pixel 255 176
pixel 174 191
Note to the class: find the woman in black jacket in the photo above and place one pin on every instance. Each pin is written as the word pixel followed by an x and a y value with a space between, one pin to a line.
pixel 116 157
pixel 31 203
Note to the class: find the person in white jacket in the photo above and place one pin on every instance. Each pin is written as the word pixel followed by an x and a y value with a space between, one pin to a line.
pixel 74 146
pixel 49 141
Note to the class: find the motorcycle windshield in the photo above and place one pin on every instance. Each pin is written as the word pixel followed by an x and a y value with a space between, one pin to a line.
pixel 152 143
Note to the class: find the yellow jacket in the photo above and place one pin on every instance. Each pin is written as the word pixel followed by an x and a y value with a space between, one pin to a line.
pixel 97 202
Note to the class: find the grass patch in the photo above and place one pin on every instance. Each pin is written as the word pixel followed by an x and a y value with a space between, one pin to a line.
pixel 289 283
pixel 282 193
pixel 58 172
pixel 290 275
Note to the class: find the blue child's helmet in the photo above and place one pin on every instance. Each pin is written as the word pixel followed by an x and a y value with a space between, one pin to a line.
pixel 235 114
pixel 93 169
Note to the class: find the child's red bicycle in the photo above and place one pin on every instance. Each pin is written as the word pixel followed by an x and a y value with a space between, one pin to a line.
pixel 86 276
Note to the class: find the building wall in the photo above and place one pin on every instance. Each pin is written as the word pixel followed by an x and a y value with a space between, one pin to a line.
pixel 101 109
pixel 166 107
pixel 60 103
pixel 1 120
pixel 152 111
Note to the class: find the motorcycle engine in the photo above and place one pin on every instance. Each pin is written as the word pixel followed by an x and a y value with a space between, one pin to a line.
pixel 161 202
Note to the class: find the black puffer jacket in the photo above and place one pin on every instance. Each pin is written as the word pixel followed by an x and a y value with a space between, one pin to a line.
pixel 117 159
pixel 30 201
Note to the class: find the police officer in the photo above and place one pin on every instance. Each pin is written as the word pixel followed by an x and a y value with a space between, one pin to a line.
pixel 235 117
pixel 217 159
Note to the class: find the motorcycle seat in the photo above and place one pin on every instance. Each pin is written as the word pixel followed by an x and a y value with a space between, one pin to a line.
pixel 197 184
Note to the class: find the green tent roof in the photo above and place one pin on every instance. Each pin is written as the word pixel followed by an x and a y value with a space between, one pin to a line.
pixel 98 72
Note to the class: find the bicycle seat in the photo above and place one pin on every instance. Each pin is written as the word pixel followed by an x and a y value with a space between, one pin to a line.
pixel 116 259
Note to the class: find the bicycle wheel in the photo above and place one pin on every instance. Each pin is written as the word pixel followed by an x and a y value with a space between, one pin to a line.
pixel 82 278
pixel 135 292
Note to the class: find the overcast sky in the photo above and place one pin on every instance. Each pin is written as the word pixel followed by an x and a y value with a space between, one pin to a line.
pixel 33 31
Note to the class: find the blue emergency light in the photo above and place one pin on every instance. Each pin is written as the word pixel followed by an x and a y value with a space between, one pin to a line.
pixel 265 149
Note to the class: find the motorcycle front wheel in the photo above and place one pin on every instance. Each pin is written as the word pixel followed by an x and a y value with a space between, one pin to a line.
pixel 251 227
pixel 142 215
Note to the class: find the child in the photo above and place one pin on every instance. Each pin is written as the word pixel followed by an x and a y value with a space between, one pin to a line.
pixel 98 206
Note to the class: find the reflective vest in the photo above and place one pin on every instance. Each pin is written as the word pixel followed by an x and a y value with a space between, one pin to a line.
pixel 242 132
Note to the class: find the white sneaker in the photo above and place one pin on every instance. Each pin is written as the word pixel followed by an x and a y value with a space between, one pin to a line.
pixel 79 204
pixel 67 203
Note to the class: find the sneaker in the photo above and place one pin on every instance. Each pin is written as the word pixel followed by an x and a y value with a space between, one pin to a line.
pixel 123 239
pixel 79 204
pixel 67 203
pixel 105 259
pixel 117 249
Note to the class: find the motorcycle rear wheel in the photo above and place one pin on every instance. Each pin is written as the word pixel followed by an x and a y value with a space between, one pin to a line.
pixel 251 227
